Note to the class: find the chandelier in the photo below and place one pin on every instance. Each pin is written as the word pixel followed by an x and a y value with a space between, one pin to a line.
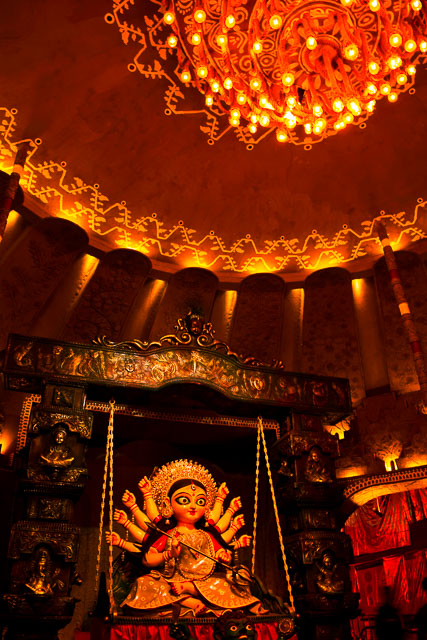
pixel 303 69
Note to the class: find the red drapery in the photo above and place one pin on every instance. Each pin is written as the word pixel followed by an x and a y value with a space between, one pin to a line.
pixel 266 631
pixel 383 523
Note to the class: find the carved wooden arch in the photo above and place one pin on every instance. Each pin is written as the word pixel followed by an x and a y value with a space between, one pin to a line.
pixel 191 355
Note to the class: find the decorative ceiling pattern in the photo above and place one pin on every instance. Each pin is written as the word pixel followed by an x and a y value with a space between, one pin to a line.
pixel 70 197
pixel 302 70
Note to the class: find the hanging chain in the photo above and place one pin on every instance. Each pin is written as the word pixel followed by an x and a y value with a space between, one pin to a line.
pixel 110 546
pixel 108 471
pixel 276 513
pixel 258 446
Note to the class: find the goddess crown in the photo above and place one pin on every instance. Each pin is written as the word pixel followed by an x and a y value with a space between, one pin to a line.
pixel 162 479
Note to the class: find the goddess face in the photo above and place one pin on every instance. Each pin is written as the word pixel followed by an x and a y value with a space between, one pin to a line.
pixel 188 504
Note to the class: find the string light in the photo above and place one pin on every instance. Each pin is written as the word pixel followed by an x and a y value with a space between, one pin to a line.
pixel 294 71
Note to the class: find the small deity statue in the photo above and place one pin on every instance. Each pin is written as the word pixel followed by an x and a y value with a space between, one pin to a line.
pixel 41 582
pixel 194 322
pixel 58 454
pixel 316 469
pixel 185 543
pixel 329 579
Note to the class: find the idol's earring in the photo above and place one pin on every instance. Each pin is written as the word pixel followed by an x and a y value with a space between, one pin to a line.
pixel 167 510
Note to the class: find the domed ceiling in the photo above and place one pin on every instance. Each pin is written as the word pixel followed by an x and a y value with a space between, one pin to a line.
pixel 105 154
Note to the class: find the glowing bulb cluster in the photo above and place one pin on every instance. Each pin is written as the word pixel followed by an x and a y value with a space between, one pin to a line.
pixel 318 82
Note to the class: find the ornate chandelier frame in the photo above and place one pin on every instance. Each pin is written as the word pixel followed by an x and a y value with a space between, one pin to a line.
pixel 305 69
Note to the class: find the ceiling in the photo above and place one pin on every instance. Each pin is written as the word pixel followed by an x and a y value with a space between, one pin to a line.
pixel 106 156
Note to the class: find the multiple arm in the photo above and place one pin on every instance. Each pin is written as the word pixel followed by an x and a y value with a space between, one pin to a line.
pixel 227 525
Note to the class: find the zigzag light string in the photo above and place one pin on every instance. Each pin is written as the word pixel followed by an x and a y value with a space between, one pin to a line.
pixel 71 198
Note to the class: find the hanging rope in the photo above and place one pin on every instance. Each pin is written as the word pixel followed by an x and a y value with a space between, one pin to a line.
pixel 108 477
pixel 258 446
pixel 276 512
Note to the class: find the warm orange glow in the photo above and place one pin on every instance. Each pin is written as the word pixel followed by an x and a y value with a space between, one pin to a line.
pixel 358 287
pixel 7 440
pixel 390 464
pixel 200 16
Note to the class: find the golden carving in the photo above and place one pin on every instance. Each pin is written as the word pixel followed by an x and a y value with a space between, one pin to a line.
pixel 58 454
pixel 329 578
pixel 192 330
pixel 62 538
pixel 75 422
pixel 316 469
pixel 42 580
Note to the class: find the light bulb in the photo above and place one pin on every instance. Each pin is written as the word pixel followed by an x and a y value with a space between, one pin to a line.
pixel 402 78
pixel 257 46
pixel 252 127
pixel 395 40
pixel 371 106
pixel 392 97
pixel 353 105
pixel 346 3
pixel 234 122
pixel 200 16
pixel 371 89
pixel 410 46
pixel 317 109
pixel 311 43
pixel 215 86
pixel 290 119
pixel 241 98
pixel 320 124
pixel 339 124
pixel 291 102
pixel 373 67
pixel 264 120
pixel 253 118
pixel 230 21
pixel 338 105
pixel 281 135
pixel 172 41
pixel 185 76
pixel 423 46
pixel 209 99
pixel 288 79
pixel 385 89
pixel 263 101
pixel 307 128
pixel 348 117
pixel 416 5
pixel 351 52
pixel 228 83
pixel 255 84
pixel 275 21
pixel 411 70
pixel 202 71
pixel 196 38
pixel 168 17
pixel 374 5
pixel 235 113
pixel 222 40
pixel 394 62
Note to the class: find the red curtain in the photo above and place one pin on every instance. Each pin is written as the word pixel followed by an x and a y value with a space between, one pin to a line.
pixel 266 631
pixel 383 523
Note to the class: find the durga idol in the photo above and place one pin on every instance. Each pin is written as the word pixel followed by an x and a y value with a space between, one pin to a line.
pixel 186 544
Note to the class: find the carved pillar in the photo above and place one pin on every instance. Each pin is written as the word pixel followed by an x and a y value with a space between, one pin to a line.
pixel 318 553
pixel 43 546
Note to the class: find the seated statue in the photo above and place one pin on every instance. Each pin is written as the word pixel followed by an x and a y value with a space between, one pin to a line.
pixel 58 454
pixel 41 581
pixel 316 469
pixel 329 579
pixel 185 544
